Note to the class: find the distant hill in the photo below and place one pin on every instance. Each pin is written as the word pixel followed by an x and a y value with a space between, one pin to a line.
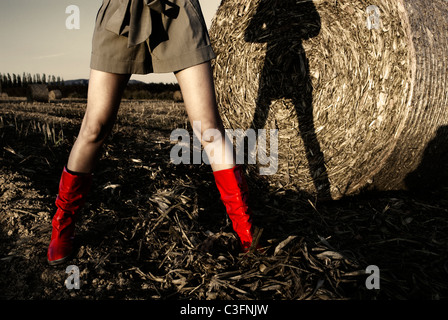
pixel 77 88
pixel 85 82
pixel 82 82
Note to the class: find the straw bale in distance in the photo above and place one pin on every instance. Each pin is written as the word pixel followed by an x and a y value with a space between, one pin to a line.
pixel 177 96
pixel 37 93
pixel 55 95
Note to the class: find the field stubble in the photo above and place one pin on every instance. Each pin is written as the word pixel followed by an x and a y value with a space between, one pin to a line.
pixel 155 230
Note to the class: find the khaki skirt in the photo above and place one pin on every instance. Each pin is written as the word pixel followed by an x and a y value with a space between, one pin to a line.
pixel 149 36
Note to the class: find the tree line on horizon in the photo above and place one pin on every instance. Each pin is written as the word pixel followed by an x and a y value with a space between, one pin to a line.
pixel 8 80
pixel 15 85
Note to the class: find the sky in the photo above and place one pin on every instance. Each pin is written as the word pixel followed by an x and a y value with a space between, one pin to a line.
pixel 34 38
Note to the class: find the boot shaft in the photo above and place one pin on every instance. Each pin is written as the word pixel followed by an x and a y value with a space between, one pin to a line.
pixel 235 196
pixel 231 181
pixel 73 190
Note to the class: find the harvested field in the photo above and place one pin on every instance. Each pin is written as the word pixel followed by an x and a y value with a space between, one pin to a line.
pixel 157 231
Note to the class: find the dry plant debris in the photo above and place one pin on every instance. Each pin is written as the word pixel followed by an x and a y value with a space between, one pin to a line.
pixel 154 230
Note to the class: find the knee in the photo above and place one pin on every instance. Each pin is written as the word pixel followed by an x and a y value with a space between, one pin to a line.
pixel 208 130
pixel 94 132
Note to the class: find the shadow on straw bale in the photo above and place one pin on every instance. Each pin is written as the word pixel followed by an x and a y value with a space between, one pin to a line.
pixel 286 74
pixel 377 94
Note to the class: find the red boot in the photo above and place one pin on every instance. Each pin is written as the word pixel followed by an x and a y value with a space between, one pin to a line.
pixel 234 194
pixel 73 190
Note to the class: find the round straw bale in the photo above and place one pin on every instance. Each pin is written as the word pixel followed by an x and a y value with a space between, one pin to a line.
pixel 356 89
pixel 37 93
pixel 55 95
pixel 177 96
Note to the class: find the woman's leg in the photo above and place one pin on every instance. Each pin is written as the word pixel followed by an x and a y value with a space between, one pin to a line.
pixel 104 97
pixel 105 91
pixel 198 92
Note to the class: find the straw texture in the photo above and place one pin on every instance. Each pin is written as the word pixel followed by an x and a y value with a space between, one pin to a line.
pixel 355 106
pixel 55 95
pixel 37 93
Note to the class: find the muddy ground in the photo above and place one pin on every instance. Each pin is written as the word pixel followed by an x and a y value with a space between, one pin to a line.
pixel 157 231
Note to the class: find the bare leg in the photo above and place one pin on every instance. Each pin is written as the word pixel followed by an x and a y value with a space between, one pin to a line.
pixel 104 97
pixel 105 91
pixel 198 90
